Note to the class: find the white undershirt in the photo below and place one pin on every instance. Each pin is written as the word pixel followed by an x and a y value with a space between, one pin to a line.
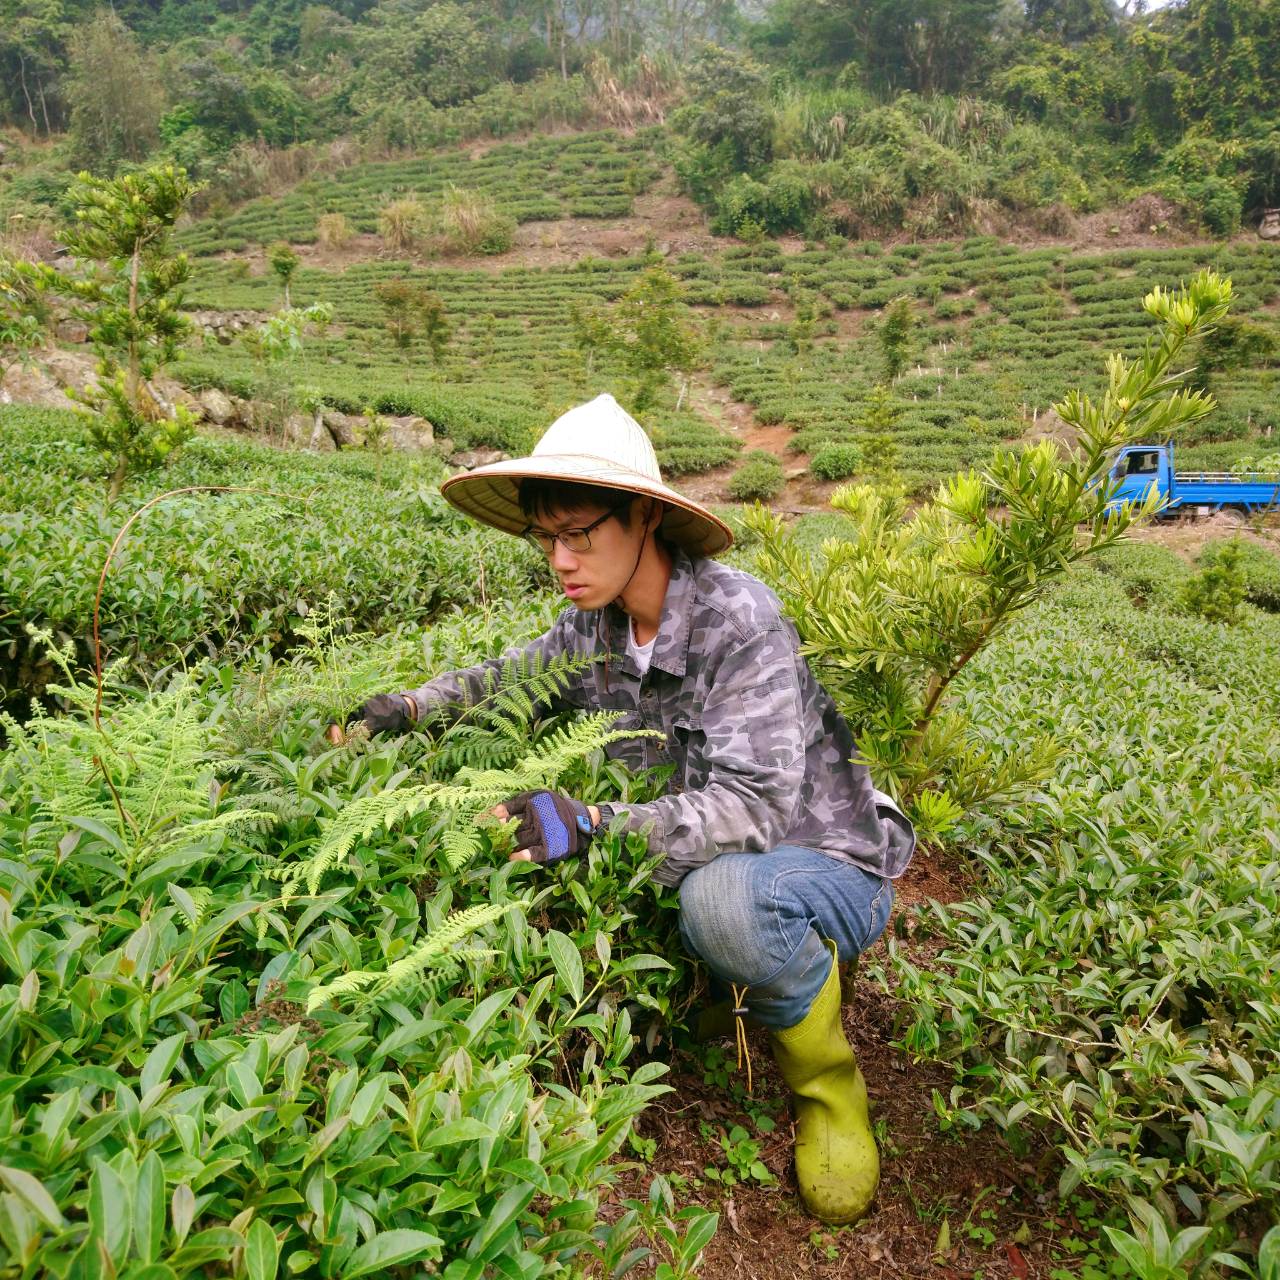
pixel 641 653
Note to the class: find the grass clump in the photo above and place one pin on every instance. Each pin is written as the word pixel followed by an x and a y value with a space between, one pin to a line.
pixel 471 222
pixel 402 224
pixel 333 231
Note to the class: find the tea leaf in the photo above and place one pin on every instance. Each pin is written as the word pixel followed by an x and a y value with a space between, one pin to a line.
pixel 568 963
pixel 390 1249
pixel 31 1191
pixel 261 1252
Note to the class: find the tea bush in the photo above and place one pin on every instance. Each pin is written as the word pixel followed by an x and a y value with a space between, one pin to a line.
pixel 180 1092
pixel 208 573
pixel 1114 983
pixel 759 477
pixel 836 461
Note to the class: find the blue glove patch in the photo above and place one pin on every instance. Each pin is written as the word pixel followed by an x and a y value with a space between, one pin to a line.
pixel 555 833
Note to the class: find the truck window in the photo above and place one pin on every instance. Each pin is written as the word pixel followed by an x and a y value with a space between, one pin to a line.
pixel 1145 462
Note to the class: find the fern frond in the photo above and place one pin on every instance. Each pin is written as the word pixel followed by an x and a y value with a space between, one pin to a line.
pixel 471 793
pixel 460 845
pixel 199 895
pixel 346 985
pixel 358 821
pixel 144 774
pixel 439 947
pixel 195 831
pixel 559 750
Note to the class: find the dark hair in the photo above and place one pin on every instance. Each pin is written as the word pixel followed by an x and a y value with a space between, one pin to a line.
pixel 540 497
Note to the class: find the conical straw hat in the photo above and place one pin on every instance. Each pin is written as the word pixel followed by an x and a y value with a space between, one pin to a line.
pixel 594 443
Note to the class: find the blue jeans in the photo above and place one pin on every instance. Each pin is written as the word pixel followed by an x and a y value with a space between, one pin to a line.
pixel 759 919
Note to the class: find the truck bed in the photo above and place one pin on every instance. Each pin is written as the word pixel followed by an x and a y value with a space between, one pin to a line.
pixel 1222 488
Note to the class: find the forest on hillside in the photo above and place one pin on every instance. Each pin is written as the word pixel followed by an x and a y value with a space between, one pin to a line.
pixel 849 115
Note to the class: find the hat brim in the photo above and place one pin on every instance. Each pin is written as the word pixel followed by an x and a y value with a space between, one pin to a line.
pixel 492 495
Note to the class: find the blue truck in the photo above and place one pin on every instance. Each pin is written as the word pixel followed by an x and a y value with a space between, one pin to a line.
pixel 1136 467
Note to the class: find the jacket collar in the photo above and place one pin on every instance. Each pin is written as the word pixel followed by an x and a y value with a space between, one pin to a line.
pixel 671 651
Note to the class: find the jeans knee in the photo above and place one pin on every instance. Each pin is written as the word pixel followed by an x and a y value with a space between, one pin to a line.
pixel 721 920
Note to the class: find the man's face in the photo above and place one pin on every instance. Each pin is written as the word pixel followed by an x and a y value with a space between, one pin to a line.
pixel 594 577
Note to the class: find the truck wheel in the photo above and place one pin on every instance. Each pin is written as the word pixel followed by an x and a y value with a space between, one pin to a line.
pixel 1235 517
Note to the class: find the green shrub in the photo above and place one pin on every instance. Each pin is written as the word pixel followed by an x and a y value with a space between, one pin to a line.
pixel 836 461
pixel 758 479
pixel 742 200
pixel 1219 589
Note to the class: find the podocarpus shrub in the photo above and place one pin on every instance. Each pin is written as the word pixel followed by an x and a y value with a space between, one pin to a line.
pixel 760 477
pixel 129 286
pixel 1261 570
pixel 891 616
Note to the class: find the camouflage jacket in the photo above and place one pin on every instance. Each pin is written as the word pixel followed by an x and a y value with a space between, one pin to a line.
pixel 762 757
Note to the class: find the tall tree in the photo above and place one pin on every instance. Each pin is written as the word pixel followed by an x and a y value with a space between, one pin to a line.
pixel 929 46
pixel 421 50
pixel 116 99
pixel 1071 20
pixel 33 56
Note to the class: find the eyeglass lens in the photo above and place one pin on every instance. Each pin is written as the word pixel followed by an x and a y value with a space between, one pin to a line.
pixel 573 540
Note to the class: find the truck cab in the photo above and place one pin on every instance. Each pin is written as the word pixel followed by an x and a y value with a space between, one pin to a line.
pixel 1136 468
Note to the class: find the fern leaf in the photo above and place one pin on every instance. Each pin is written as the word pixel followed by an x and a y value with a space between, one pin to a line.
pixel 460 845
pixel 439 947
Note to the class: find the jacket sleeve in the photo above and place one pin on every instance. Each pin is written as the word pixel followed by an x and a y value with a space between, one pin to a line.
pixel 448 695
pixel 753 743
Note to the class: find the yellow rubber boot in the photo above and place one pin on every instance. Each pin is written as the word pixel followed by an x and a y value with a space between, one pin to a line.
pixel 837 1165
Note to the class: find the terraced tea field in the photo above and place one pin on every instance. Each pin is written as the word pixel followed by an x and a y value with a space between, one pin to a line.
pixel 990 360
pixel 790 329
pixel 589 175
pixel 275 1005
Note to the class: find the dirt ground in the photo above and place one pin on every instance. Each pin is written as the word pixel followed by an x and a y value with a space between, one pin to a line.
pixel 948 1206
pixel 1187 536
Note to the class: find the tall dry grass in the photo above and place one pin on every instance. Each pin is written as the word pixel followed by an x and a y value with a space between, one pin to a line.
pixel 470 222
pixel 402 224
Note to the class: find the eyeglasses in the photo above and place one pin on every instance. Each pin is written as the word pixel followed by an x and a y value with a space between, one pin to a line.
pixel 571 539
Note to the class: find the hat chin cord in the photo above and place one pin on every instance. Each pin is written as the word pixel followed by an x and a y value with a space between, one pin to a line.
pixel 618 601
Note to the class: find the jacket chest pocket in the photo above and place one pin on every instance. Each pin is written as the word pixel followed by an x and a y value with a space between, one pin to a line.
pixel 688 750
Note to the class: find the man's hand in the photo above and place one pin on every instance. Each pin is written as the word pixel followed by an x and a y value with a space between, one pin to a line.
pixel 552 826
pixel 384 713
